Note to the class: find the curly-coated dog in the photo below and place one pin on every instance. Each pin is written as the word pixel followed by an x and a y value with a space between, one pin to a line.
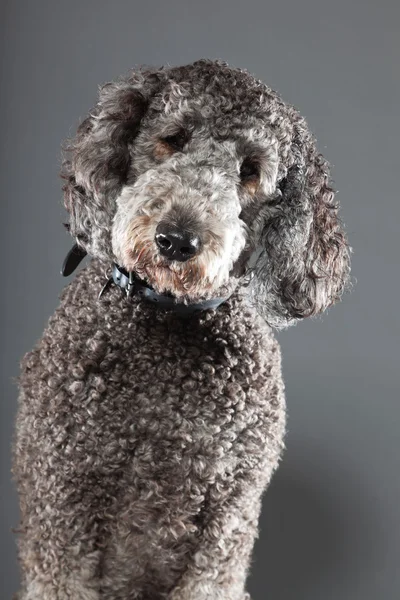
pixel 152 418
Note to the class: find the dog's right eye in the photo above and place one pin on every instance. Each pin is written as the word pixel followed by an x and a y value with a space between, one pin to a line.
pixel 177 141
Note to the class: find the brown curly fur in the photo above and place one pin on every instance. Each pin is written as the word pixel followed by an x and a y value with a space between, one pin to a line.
pixel 143 440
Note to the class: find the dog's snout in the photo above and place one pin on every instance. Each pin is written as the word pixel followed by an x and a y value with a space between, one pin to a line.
pixel 175 243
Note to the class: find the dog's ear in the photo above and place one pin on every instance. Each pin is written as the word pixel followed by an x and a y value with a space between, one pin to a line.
pixel 303 266
pixel 97 159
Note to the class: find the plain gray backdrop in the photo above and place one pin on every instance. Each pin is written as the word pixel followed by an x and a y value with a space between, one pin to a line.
pixel 330 521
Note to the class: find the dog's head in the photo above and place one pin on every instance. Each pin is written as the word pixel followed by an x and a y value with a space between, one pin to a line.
pixel 199 175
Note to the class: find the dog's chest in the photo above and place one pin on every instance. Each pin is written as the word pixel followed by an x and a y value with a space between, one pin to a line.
pixel 151 419
pixel 185 400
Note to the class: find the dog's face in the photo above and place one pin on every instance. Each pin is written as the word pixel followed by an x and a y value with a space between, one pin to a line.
pixel 181 174
pixel 180 219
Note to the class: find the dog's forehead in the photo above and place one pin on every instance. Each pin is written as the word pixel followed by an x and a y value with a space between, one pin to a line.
pixel 217 79
pixel 211 121
pixel 212 96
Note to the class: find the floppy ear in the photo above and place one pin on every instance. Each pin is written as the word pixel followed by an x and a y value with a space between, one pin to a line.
pixel 98 158
pixel 303 266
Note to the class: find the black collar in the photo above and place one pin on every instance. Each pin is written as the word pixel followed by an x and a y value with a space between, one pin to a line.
pixel 133 286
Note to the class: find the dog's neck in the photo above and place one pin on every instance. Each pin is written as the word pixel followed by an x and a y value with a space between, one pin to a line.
pixel 130 283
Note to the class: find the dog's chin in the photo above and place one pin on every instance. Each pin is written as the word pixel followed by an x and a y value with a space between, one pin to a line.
pixel 187 282
pixel 185 286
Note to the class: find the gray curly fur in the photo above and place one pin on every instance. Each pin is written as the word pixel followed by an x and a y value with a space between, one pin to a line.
pixel 144 441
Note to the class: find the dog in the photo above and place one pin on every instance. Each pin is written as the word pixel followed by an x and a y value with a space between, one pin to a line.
pixel 152 418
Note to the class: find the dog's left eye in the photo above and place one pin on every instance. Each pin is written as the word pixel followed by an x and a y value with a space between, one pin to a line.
pixel 177 141
pixel 249 170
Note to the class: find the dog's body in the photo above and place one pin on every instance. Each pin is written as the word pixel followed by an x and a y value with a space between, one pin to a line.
pixel 147 446
pixel 144 439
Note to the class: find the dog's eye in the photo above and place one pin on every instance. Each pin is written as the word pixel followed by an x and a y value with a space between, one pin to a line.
pixel 249 170
pixel 177 141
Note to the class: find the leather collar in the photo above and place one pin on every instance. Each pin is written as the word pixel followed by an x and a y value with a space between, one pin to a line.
pixel 133 286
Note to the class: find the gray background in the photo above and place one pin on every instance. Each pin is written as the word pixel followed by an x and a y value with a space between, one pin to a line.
pixel 330 522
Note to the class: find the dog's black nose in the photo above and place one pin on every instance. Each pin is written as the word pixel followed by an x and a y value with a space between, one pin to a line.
pixel 175 243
